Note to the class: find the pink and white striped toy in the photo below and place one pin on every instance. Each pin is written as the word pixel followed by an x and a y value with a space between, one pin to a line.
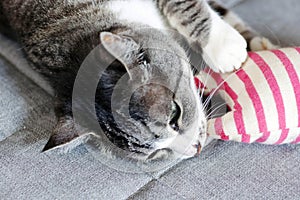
pixel 263 96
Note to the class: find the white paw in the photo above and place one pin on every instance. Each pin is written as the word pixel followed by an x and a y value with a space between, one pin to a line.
pixel 226 49
pixel 261 43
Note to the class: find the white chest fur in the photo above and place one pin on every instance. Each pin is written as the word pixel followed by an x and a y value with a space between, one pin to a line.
pixel 138 11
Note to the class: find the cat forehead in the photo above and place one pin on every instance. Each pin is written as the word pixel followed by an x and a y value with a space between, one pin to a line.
pixel 151 94
pixel 167 61
pixel 152 97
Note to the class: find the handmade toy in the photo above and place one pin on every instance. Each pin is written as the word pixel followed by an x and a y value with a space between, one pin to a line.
pixel 263 98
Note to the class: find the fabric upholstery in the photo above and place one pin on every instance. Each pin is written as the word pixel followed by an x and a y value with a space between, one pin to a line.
pixel 225 170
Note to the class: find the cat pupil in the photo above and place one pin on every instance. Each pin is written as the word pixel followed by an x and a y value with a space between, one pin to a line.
pixel 176 111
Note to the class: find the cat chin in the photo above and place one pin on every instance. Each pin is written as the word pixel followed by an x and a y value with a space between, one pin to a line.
pixel 166 155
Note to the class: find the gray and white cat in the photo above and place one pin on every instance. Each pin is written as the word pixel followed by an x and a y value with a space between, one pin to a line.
pixel 57 35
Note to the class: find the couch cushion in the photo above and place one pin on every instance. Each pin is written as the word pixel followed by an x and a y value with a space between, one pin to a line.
pixel 26 122
pixel 232 171
pixel 26 173
pixel 228 170
pixel 19 96
pixel 276 19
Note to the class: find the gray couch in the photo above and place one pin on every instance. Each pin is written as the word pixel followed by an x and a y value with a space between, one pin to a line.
pixel 225 170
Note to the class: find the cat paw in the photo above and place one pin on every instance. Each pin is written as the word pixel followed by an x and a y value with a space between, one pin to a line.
pixel 226 49
pixel 261 43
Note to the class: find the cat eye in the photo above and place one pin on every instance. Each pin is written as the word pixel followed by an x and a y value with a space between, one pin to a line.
pixel 176 112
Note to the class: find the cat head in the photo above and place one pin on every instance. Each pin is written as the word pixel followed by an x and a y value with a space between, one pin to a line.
pixel 146 100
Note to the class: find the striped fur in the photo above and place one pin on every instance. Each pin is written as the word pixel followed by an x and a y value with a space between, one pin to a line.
pixel 57 35
pixel 191 18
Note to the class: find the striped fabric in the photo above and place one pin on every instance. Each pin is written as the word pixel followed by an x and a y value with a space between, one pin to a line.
pixel 263 96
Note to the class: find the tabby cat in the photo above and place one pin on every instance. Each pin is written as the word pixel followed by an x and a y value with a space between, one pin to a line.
pixel 57 36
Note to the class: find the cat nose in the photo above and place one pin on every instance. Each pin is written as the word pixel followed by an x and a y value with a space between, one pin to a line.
pixel 199 148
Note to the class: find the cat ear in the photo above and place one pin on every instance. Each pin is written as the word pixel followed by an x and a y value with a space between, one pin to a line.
pixel 121 47
pixel 68 135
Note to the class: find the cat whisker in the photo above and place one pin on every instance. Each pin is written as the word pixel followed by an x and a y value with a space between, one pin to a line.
pixel 212 109
pixel 210 115
pixel 205 82
pixel 215 90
